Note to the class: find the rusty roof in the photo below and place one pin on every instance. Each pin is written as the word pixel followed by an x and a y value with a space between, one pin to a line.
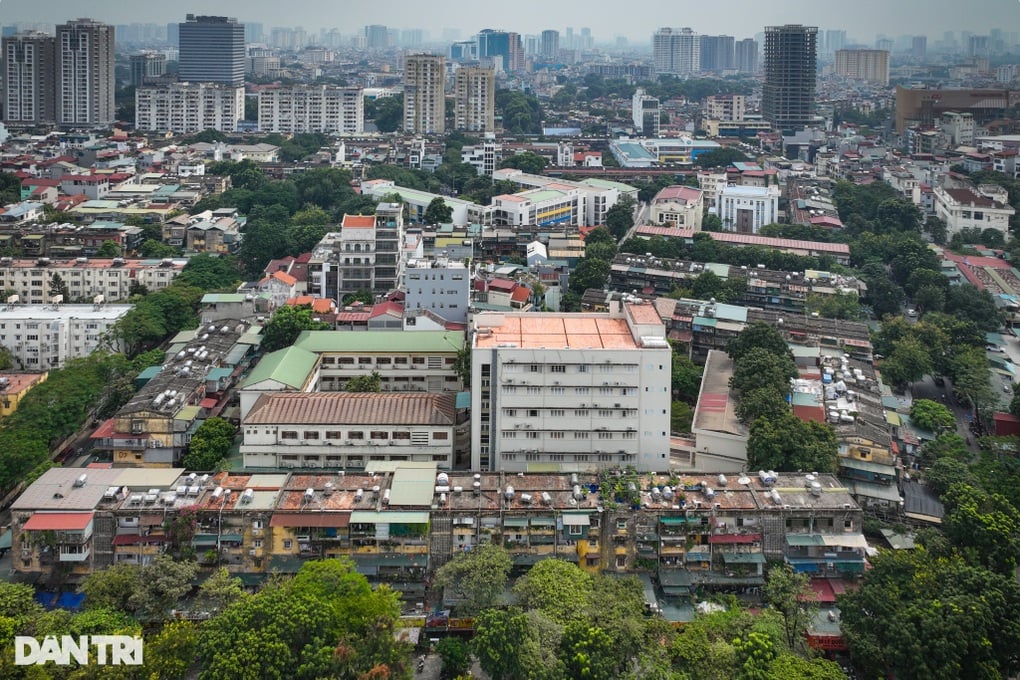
pixel 415 408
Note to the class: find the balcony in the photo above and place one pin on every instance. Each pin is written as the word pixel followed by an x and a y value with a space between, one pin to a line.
pixel 77 554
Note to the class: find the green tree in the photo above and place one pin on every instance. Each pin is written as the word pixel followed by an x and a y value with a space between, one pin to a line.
pixel 763 402
pixel 790 594
pixel 157 249
pixel 59 287
pixel 455 655
pixel 685 378
pixel 171 652
pixel 720 158
pixel 10 188
pixel 221 590
pixel 966 616
pixel 108 249
pixel 528 161
pixel 788 444
pixel 560 590
pixel 837 306
pixel 587 653
pixel 758 335
pixel 759 369
pixel 970 303
pixel 620 217
pixel 387 112
pixel 210 444
pixel 909 362
pixel 286 325
pixel 711 223
pixel 371 382
pixel 438 212
pixel 479 575
pixel 986 527
pixel 589 273
pixel 681 417
pixel 506 645
pixel 931 415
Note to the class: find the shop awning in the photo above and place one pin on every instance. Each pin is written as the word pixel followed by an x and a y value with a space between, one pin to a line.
pixel 577 519
pixel 673 521
pixel 515 521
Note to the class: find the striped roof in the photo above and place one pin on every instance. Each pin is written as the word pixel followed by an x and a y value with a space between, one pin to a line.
pixel 368 408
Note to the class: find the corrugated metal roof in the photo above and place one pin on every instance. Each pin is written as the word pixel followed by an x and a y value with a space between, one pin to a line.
pixel 289 366
pixel 372 517
pixel 417 408
pixel 58 521
pixel 418 342
pixel 413 486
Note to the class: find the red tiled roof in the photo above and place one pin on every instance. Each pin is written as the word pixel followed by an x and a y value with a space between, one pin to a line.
pixel 284 278
pixel 678 192
pixel 359 221
pixel 502 284
pixel 208 402
pixel 520 294
pixel 387 308
pixel 58 521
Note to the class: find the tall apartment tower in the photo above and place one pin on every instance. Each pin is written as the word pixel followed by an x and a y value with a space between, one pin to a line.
pixel 29 75
pixel 646 113
pixel 425 94
pixel 211 50
pixel 475 99
pixel 85 73
pixel 549 46
pixel 746 55
pixel 676 50
pixel 377 36
pixel 788 96
pixel 869 65
pixel 717 52
pixel 146 67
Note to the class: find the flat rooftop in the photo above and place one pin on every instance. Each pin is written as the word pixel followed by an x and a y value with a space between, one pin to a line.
pixel 553 331
pixel 716 411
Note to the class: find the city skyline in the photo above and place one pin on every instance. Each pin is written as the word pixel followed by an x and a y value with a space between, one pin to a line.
pixel 742 18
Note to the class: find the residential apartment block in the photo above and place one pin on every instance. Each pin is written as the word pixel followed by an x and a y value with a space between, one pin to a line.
pixel 44 337
pixel 14 387
pixel 570 392
pixel 154 428
pixel 425 94
pixel 676 50
pixel 29 78
pixel 32 279
pixel 869 65
pixel 312 108
pixel 442 286
pixel 399 521
pixel 187 107
pixel 85 74
pixel 474 107
pixel 363 256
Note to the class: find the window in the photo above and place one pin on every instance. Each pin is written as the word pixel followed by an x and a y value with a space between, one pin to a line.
pixel 531 435
pixel 573 530
pixel 555 435
pixel 556 413
pixel 288 544
pixel 532 412
pixel 377 434
pixel 288 434
pixel 557 368
pixel 535 368
pixel 582 368
pixel 256 543
pixel 401 435
pixel 441 435
pixel 581 435
pixel 311 435
pixel 334 434
pixel 356 435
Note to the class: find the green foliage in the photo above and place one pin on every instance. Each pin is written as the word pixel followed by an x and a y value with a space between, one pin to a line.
pixel 720 158
pixel 620 217
pixel 371 382
pixel 909 362
pixel 479 576
pixel 986 527
pixel 560 590
pixel 758 335
pixel 325 622
pixel 506 645
pixel 759 368
pixel 209 445
pixel 221 590
pixel 287 324
pixel 681 417
pixel 108 249
pixel 528 161
pixel 148 592
pixel 788 444
pixel 589 273
pixel 762 402
pixel 209 272
pixel 10 188
pixel 438 212
pixel 156 316
pixel 685 378
pixel 790 594
pixel 521 113
pixel 970 303
pixel 387 112
pixel 587 653
pixel 455 655
pixel 931 415
pixel 838 306
pixel 917 617
pixel 157 249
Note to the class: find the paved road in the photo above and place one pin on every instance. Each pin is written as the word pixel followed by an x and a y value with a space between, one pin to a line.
pixel 640 218
pixel 927 389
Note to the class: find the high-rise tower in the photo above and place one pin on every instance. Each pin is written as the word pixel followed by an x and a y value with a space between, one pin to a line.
pixel 85 73
pixel 425 94
pixel 211 50
pixel 474 99
pixel 29 84
pixel 788 96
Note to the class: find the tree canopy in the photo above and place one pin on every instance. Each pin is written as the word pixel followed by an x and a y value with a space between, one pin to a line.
pixel 286 325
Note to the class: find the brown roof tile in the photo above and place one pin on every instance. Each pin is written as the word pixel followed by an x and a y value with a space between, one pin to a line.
pixel 342 407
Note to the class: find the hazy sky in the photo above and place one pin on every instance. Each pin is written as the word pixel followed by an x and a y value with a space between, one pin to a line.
pixel 636 19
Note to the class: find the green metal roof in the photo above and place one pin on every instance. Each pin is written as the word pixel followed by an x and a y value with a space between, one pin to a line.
pixel 417 342
pixel 413 486
pixel 211 298
pixel 290 366
pixel 804 539
pixel 515 521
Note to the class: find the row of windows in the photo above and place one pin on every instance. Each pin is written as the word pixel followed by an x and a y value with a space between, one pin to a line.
pixel 577 413
pixel 583 434
pixel 512 367
pixel 578 391
pixel 354 434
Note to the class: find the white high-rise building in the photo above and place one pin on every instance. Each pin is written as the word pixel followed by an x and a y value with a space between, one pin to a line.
pixel 85 74
pixel 676 50
pixel 425 94
pixel 312 108
pixel 746 209
pixel 570 392
pixel 183 108
pixel 46 337
pixel 646 112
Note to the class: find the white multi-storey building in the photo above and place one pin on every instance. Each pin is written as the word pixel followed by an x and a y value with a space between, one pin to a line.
pixel 646 113
pixel 312 108
pixel 484 158
pixel 32 279
pixel 570 392
pixel 983 208
pixel 346 430
pixel 441 286
pixel 676 50
pixel 44 337
pixel 183 108
pixel 746 210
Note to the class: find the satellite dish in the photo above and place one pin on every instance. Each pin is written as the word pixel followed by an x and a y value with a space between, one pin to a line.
pixel 744 480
